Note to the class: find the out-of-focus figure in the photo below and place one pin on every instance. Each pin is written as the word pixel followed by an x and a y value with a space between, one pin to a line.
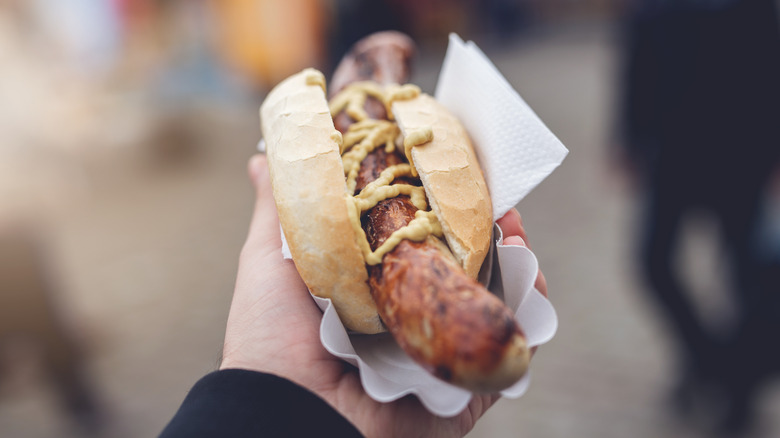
pixel 29 314
pixel 55 115
pixel 701 125
pixel 355 19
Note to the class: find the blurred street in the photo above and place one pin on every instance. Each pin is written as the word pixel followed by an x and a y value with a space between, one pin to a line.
pixel 145 258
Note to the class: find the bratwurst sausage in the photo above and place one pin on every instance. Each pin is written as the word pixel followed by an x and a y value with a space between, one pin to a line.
pixel 444 319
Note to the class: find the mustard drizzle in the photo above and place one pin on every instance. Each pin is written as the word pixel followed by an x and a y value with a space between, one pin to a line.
pixel 358 144
pixel 363 137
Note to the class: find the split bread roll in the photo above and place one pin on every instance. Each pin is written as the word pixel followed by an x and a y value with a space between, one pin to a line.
pixel 308 182
pixel 465 336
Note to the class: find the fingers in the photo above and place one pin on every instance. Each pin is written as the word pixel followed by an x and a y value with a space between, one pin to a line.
pixel 512 226
pixel 514 234
pixel 541 283
pixel 511 223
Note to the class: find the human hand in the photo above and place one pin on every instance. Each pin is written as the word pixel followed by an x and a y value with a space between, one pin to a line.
pixel 273 327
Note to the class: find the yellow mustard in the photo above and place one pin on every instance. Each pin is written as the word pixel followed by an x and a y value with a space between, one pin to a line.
pixel 416 138
pixel 361 142
pixel 315 77
pixel 380 189
pixel 398 92
pixel 353 98
pixel 361 139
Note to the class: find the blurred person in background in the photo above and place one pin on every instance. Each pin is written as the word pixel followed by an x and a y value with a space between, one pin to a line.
pixel 500 21
pixel 355 19
pixel 54 108
pixel 31 318
pixel 700 125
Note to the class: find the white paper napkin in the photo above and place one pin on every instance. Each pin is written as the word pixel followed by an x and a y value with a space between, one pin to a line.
pixel 515 149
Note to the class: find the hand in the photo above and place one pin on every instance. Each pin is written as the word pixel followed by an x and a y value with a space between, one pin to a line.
pixel 273 327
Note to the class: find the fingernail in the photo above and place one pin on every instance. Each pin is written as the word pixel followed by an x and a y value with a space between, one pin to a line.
pixel 514 240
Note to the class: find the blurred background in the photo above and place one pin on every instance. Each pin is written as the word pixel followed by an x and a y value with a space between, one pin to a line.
pixel 126 126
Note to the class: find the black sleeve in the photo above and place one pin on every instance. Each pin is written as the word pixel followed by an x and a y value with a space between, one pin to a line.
pixel 240 403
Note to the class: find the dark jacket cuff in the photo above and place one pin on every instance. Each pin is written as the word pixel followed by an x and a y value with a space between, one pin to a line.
pixel 241 403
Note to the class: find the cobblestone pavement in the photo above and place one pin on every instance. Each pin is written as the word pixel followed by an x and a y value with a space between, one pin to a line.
pixel 147 271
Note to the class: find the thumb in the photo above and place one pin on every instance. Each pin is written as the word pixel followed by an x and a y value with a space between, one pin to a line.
pixel 264 229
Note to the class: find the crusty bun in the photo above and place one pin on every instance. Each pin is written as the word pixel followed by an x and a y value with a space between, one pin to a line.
pixel 309 187
pixel 452 178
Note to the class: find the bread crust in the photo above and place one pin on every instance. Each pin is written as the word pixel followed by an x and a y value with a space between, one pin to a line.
pixel 452 178
pixel 309 188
